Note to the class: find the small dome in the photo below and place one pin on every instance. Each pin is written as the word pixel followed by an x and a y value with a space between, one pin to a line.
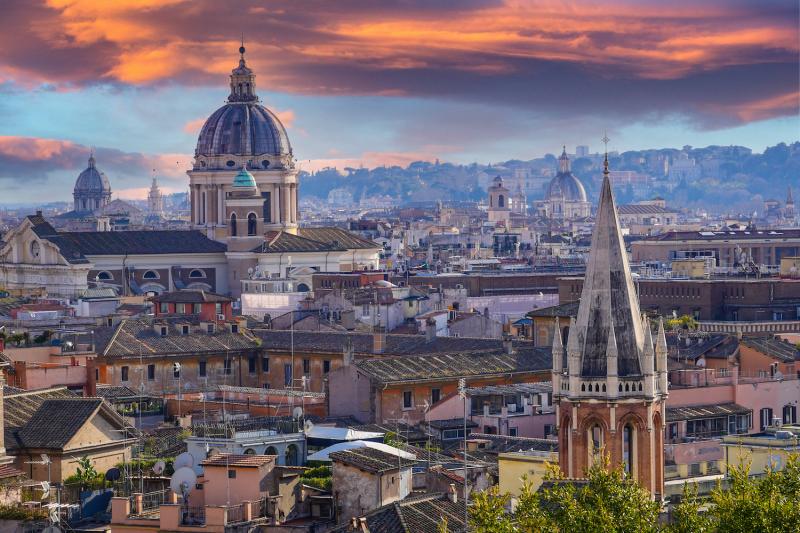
pixel 92 180
pixel 244 180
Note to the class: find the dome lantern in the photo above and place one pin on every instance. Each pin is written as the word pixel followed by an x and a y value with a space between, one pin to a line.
pixel 244 180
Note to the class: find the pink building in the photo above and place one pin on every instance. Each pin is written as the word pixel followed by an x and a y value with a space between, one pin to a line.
pixel 517 410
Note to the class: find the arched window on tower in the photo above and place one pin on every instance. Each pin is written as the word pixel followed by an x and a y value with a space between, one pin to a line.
pixel 233 224
pixel 595 443
pixel 251 224
pixel 501 201
pixel 628 449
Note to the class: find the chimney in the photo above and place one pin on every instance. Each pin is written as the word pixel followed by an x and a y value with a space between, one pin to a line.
pixel 508 345
pixel 452 495
pixel 347 353
pixel 377 342
pixel 430 330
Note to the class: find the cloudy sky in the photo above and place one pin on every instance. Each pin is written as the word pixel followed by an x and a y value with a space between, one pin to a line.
pixel 373 82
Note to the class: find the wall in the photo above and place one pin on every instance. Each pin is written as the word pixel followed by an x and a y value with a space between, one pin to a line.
pixel 349 394
pixel 355 492
pixel 246 486
pixel 513 466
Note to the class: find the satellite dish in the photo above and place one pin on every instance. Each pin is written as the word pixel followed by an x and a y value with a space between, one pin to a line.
pixel 182 481
pixel 308 425
pixel 112 474
pixel 183 460
pixel 45 459
pixel 297 412
pixel 159 467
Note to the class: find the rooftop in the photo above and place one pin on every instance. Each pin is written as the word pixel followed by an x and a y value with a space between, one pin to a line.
pixel 138 338
pixel 239 461
pixel 371 460
pixel 774 347
pixel 190 296
pixel 453 366
pixel 699 412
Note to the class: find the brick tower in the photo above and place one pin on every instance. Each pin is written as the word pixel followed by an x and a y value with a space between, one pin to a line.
pixel 610 384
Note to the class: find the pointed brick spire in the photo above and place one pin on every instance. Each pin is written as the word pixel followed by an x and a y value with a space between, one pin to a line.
pixel 608 297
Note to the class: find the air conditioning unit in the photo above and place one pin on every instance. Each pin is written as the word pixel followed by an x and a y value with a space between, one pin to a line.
pixel 220 317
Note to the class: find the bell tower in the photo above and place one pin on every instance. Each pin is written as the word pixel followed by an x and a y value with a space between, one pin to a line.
pixel 610 381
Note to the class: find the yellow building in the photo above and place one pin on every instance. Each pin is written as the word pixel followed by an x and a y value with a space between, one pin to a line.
pixel 513 466
pixel 768 450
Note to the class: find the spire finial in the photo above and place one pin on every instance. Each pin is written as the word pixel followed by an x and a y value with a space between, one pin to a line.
pixel 241 48
pixel 605 140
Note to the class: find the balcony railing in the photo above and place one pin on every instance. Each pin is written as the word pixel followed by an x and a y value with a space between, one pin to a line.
pixel 193 516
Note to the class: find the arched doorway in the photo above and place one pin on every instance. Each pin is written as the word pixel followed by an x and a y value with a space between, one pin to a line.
pixel 291 455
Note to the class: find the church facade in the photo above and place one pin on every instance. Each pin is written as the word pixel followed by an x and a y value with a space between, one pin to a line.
pixel 610 380
pixel 566 196
pixel 244 216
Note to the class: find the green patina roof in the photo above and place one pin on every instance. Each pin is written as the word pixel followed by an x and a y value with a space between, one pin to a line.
pixel 244 180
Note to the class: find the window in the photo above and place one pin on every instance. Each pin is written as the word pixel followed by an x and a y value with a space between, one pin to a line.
pixel 436 395
pixel 151 372
pixel 628 449
pixel 197 273
pixel 150 274
pixel 234 328
pixel 184 330
pixel 252 221
pixel 766 417
pixel 408 399
pixel 451 434
pixel 326 366
pixel 365 310
pixel 233 224
pixel 231 474
pixel 201 369
pixel 512 432
pixel 789 414
pixel 209 328
pixel 197 308
pixel 251 364
pixel 104 276
pixel 227 366
pixel 124 373
pixel 163 307
pixel 287 375
pixel 218 308
pixel 180 308
pixel 265 364
pixel 596 443
pixel 672 431
pixel 694 469
pixel 306 366
pixel 501 201
pixel 163 331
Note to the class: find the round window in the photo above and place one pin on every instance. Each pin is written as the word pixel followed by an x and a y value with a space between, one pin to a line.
pixel 231 163
pixel 265 163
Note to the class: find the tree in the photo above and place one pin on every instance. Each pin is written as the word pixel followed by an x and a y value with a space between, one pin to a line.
pixel 606 501
pixel 767 504
pixel 86 473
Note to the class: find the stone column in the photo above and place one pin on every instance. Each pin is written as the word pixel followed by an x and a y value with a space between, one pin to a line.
pixel 286 196
pixel 275 211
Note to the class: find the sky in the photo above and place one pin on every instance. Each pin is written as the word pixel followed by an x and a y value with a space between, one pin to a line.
pixel 367 82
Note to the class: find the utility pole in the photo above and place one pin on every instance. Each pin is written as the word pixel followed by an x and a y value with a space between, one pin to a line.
pixel 462 391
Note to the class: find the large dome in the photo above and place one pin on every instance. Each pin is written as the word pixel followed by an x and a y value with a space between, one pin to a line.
pixel 92 180
pixel 565 186
pixel 243 128
pixel 568 187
